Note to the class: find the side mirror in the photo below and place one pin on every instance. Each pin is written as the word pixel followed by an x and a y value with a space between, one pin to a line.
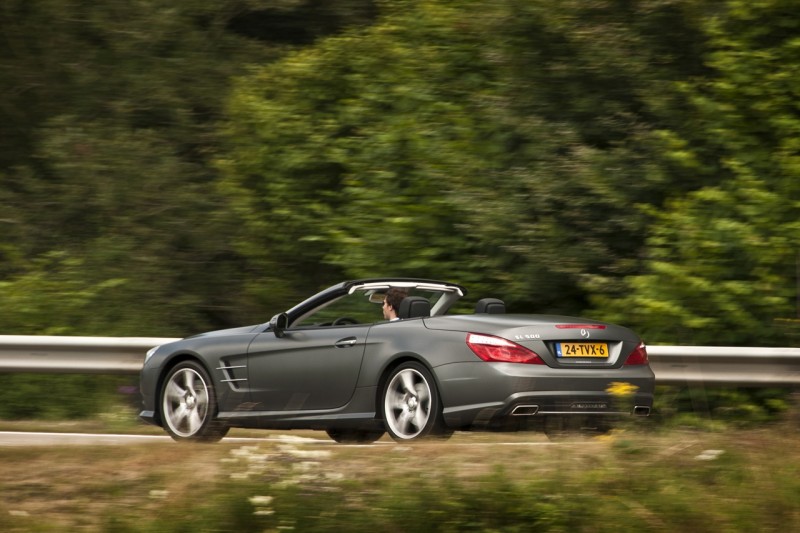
pixel 278 324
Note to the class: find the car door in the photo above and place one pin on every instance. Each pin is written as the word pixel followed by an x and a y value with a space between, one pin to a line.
pixel 311 368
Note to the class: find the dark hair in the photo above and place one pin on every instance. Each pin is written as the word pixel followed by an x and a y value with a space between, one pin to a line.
pixel 394 296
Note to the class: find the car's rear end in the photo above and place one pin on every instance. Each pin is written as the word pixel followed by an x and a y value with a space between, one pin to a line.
pixel 523 368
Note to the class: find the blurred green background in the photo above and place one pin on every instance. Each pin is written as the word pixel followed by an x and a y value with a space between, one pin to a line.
pixel 169 167
pixel 173 167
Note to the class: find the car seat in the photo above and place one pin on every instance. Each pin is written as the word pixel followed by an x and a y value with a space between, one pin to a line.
pixel 492 306
pixel 414 307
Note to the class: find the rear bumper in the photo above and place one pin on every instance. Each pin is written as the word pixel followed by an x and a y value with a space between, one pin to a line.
pixel 539 405
pixel 517 391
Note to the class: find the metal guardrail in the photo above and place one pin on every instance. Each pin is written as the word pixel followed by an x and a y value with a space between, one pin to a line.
pixel 725 365
pixel 672 365
pixel 74 355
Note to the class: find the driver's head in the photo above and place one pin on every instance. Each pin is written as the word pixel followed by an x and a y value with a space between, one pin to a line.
pixel 391 302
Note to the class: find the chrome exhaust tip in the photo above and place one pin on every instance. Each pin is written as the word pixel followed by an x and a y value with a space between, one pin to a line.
pixel 641 410
pixel 525 410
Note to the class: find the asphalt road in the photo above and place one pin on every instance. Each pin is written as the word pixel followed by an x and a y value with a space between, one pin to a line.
pixel 31 438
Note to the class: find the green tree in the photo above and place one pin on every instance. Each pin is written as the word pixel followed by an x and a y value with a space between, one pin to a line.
pixel 503 145
pixel 723 261
pixel 108 123
pixel 115 253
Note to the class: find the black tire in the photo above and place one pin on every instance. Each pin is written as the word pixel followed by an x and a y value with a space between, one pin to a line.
pixel 410 404
pixel 189 405
pixel 355 436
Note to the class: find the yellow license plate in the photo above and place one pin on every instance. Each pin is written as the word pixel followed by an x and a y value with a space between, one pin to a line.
pixel 582 349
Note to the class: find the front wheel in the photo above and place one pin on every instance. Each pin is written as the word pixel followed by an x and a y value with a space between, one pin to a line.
pixel 188 405
pixel 411 405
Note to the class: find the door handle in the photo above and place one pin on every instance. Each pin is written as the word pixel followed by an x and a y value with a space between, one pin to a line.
pixel 346 343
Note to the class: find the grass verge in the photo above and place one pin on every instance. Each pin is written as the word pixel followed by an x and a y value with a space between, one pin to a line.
pixel 735 480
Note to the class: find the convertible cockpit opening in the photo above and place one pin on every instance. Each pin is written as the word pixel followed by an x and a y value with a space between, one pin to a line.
pixel 442 296
pixel 361 302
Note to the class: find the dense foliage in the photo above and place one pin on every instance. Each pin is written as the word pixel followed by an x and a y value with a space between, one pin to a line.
pixel 173 167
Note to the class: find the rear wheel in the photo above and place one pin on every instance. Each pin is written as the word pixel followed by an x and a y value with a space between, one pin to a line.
pixel 355 436
pixel 188 405
pixel 411 405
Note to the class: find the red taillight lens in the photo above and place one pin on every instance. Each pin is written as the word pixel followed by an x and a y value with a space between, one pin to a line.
pixel 638 356
pixel 497 349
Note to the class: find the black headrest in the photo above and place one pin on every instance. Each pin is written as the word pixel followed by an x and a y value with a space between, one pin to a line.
pixel 492 306
pixel 413 307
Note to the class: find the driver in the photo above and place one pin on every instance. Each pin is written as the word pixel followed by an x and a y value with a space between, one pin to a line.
pixel 391 303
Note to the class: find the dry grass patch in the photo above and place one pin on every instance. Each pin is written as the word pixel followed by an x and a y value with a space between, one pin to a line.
pixel 653 481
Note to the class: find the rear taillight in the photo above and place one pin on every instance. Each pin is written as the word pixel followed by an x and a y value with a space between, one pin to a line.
pixel 638 356
pixel 497 349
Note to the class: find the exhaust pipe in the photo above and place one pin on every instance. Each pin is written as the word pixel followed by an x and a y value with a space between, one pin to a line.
pixel 641 410
pixel 525 410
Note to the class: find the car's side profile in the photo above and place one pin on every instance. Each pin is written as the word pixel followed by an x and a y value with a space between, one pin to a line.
pixel 333 363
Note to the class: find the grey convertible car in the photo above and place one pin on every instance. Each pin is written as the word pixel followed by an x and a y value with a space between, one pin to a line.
pixel 333 363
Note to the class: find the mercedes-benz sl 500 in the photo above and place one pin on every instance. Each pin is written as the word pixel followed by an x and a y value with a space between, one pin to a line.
pixel 334 363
